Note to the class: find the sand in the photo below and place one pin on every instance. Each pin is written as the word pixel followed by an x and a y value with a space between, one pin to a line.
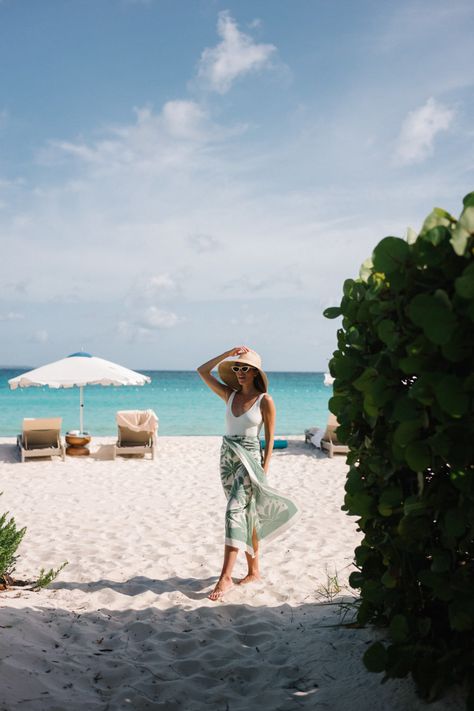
pixel 127 624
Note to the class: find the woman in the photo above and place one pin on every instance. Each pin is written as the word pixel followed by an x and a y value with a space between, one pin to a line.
pixel 254 510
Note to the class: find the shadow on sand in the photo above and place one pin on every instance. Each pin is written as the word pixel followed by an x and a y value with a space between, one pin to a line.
pixel 188 656
pixel 190 587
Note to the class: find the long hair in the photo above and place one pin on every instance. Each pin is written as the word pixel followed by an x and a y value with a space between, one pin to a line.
pixel 258 382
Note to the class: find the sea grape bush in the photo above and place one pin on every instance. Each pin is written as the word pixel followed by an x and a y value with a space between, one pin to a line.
pixel 403 395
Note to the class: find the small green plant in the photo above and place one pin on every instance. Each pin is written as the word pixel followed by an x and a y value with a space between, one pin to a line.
pixel 10 539
pixel 45 578
pixel 404 399
pixel 331 588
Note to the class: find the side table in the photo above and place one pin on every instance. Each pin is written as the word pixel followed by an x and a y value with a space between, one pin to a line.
pixel 77 444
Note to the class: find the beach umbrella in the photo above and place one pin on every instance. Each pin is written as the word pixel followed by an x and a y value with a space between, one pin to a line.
pixel 78 370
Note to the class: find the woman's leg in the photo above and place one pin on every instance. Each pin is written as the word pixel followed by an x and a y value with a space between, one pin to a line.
pixel 253 566
pixel 225 580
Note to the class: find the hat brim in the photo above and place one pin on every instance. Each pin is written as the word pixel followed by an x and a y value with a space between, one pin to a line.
pixel 228 376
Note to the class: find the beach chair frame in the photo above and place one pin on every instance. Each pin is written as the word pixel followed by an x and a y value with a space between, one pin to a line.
pixel 133 442
pixel 329 441
pixel 41 437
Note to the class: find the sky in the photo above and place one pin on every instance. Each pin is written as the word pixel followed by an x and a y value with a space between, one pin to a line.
pixel 179 177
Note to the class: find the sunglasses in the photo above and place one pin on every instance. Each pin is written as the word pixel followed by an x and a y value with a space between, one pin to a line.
pixel 243 368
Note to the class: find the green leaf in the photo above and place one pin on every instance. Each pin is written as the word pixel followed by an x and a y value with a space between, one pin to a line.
pixel 407 432
pixel 405 409
pixel 364 381
pixel 414 506
pixel 361 554
pixel 422 391
pixel 451 396
pixel 356 579
pixel 344 367
pixel 464 284
pixel 390 255
pixel 454 523
pixel 415 529
pixel 458 348
pixel 371 408
pixel 468 200
pixel 347 287
pixel 418 456
pixel 336 404
pixel 433 316
pixel 332 312
pixel 437 235
pixel 375 658
pixel 391 497
pixel 387 332
pixel 399 629
pixel 460 617
pixel 441 561
pixel 360 504
pixel 388 580
pixel 424 625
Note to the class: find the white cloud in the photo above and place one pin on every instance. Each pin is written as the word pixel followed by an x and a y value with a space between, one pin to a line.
pixel 237 54
pixel 11 316
pixel 203 243
pixel 419 131
pixel 151 144
pixel 184 120
pixel 154 317
pixel 144 326
pixel 159 283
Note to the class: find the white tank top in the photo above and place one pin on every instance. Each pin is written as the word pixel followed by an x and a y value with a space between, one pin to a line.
pixel 246 425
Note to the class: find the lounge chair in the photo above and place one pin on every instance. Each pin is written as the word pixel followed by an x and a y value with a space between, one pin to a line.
pixel 41 437
pixel 137 430
pixel 329 441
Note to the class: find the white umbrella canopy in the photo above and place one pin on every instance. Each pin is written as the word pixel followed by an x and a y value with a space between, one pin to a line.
pixel 78 370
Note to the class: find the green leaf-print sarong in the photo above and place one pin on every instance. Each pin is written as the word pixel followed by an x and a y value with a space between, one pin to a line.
pixel 251 503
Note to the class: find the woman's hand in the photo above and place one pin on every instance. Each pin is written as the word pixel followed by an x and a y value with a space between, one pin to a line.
pixel 238 350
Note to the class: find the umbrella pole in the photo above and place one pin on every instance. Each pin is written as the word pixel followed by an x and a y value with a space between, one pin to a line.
pixel 81 408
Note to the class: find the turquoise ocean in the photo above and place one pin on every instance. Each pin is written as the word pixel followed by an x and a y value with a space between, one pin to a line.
pixel 184 405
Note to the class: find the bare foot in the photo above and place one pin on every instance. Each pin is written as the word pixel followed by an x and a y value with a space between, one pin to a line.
pixel 250 578
pixel 223 586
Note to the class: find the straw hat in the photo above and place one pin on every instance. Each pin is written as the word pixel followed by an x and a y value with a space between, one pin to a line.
pixel 228 376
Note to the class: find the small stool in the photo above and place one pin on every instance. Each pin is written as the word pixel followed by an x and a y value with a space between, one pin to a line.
pixel 77 444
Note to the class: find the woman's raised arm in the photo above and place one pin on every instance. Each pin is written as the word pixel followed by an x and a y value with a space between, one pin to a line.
pixel 205 369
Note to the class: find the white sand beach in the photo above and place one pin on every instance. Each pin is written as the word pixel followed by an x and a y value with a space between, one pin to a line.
pixel 127 625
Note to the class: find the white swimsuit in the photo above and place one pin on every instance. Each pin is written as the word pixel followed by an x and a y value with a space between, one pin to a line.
pixel 246 425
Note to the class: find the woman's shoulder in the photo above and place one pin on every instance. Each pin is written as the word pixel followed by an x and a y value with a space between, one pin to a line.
pixel 230 393
pixel 266 399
